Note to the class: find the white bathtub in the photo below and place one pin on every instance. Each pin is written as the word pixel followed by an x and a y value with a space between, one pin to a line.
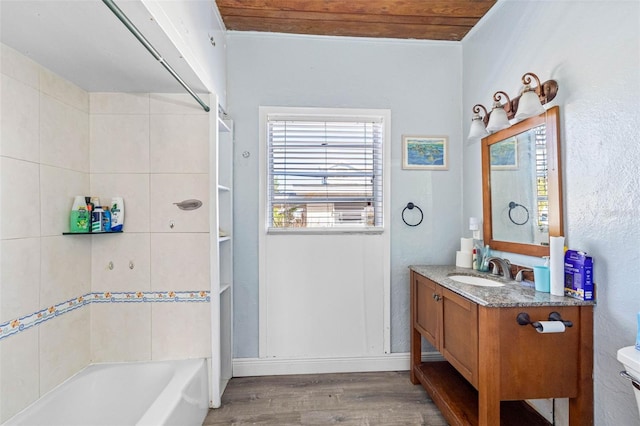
pixel 145 393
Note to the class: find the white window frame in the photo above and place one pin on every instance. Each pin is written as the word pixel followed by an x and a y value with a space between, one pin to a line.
pixel 305 113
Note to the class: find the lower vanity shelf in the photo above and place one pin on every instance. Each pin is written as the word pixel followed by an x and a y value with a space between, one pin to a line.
pixel 458 400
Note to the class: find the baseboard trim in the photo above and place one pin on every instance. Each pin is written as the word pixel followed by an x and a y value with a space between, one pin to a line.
pixel 247 367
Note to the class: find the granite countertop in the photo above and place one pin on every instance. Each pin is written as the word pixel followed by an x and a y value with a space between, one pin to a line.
pixel 511 294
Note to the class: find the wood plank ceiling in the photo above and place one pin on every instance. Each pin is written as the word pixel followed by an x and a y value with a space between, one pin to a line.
pixel 406 19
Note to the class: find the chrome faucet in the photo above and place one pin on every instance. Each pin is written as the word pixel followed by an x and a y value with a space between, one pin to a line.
pixel 504 264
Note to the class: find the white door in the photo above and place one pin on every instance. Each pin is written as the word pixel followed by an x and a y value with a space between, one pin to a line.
pixel 324 294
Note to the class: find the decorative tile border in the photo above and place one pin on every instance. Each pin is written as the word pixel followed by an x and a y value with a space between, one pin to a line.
pixel 26 322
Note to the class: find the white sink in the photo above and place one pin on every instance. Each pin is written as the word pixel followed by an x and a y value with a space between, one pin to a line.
pixel 473 280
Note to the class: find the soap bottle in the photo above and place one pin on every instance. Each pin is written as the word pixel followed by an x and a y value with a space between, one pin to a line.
pixel 117 214
pixel 486 254
pixel 79 219
pixel 106 219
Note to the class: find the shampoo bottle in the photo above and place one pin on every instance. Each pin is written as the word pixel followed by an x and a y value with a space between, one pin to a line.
pixel 117 214
pixel 96 221
pixel 106 219
pixel 79 219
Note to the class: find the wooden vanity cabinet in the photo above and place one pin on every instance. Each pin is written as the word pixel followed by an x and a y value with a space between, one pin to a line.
pixel 450 323
pixel 492 359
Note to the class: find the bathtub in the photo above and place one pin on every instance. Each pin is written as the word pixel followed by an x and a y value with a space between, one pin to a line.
pixel 141 393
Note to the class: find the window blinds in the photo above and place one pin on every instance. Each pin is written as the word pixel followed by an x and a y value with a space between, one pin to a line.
pixel 324 172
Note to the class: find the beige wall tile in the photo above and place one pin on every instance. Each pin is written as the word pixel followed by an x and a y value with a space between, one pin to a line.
pixel 167 189
pixel 134 190
pixel 119 143
pixel 58 188
pixel 179 144
pixel 120 332
pixel 19 132
pixel 64 91
pixel 66 268
pixel 180 262
pixel 64 347
pixel 180 330
pixel 18 66
pixel 20 277
pixel 120 249
pixel 64 135
pixel 20 372
pixel 20 196
pixel 178 103
pixel 119 103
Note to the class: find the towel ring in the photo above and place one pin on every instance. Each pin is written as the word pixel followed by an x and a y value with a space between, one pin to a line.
pixel 520 217
pixel 411 206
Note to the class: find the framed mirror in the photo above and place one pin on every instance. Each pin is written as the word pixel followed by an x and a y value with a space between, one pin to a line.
pixel 522 185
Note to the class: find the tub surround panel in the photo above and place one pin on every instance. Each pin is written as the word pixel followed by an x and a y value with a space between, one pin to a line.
pixel 64 132
pixel 120 332
pixel 64 348
pixel 58 187
pixel 20 277
pixel 167 189
pixel 119 103
pixel 20 199
pixel 180 330
pixel 19 67
pixel 19 133
pixel 19 372
pixel 174 150
pixel 120 249
pixel 179 261
pixel 66 92
pixel 65 268
pixel 134 190
pixel 113 135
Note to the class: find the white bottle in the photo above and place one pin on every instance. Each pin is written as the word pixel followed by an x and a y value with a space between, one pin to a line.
pixel 117 214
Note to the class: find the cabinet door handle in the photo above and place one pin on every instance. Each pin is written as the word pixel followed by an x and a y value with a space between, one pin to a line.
pixel 436 297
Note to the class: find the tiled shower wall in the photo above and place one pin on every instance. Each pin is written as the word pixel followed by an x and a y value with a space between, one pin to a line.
pixel 153 150
pixel 58 141
pixel 44 148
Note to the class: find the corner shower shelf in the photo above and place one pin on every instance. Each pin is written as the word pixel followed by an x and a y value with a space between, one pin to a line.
pixel 91 233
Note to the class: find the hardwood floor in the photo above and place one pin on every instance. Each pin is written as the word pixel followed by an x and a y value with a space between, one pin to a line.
pixel 380 398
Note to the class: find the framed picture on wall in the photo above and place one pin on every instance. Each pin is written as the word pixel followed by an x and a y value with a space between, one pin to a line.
pixel 425 152
pixel 504 154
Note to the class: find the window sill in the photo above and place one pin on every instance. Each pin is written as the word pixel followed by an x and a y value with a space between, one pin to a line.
pixel 326 231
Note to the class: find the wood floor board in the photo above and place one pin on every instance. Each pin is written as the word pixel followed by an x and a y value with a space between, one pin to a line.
pixel 379 398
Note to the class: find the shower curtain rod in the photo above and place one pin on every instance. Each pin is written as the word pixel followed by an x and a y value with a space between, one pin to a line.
pixel 127 23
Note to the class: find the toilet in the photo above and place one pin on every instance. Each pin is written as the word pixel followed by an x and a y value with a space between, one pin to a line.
pixel 630 358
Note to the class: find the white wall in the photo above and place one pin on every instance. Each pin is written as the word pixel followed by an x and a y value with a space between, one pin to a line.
pixel 418 81
pixel 593 50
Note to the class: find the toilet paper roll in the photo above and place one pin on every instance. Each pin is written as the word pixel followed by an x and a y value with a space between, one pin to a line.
pixel 464 259
pixel 550 327
pixel 556 265
pixel 466 244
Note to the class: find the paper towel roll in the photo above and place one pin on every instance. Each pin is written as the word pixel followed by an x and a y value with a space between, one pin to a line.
pixel 464 259
pixel 550 327
pixel 466 244
pixel 556 265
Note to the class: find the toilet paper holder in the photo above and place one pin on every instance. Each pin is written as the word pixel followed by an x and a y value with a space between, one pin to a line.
pixel 524 319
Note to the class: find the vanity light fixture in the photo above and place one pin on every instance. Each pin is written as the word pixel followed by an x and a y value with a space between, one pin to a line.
pixel 479 124
pixel 498 119
pixel 528 104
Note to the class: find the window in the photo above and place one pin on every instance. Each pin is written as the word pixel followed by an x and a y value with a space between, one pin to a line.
pixel 324 171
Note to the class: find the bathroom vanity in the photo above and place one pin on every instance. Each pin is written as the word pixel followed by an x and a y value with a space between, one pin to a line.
pixel 492 362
